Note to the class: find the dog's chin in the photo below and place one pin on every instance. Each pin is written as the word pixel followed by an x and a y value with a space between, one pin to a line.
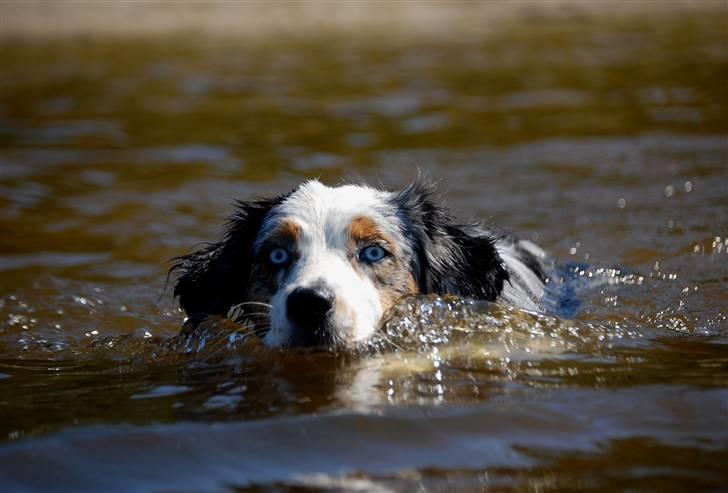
pixel 330 337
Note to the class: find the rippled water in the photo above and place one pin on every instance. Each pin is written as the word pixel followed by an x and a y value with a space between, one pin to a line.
pixel 603 141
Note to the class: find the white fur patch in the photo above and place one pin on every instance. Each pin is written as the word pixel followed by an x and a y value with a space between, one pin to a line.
pixel 325 215
pixel 525 287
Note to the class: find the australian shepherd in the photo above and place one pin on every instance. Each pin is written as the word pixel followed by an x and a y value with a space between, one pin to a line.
pixel 322 266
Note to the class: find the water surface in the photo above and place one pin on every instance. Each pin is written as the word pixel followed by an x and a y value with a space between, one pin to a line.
pixel 604 141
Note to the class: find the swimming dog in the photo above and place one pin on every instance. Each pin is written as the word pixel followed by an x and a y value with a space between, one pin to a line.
pixel 322 266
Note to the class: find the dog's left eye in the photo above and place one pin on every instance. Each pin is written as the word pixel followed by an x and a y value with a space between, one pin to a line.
pixel 279 256
pixel 372 253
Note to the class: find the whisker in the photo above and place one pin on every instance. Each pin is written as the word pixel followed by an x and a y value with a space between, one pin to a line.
pixel 243 315
pixel 255 329
pixel 237 313
pixel 252 320
pixel 253 325
pixel 252 303
pixel 255 314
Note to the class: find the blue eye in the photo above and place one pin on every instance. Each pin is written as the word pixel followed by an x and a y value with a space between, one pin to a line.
pixel 372 253
pixel 279 256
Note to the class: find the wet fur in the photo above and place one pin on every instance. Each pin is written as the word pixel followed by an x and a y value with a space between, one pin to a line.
pixel 444 258
pixel 211 280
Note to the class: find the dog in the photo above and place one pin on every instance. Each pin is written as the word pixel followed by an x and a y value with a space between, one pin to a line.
pixel 322 266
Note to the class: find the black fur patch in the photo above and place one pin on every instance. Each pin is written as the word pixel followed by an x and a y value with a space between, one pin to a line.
pixel 215 278
pixel 448 257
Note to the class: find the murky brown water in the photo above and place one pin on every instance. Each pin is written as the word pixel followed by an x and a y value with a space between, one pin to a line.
pixel 605 142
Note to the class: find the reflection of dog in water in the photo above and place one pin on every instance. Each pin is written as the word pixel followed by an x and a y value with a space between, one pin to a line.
pixel 321 266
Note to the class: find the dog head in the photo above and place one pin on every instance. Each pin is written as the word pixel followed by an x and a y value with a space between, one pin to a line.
pixel 323 265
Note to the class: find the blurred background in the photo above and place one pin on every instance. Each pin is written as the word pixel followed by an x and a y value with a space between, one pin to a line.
pixel 127 129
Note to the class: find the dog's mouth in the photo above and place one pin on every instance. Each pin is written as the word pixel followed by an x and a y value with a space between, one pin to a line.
pixel 315 329
pixel 247 324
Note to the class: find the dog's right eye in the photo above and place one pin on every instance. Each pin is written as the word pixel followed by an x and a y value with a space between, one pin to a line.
pixel 372 254
pixel 279 256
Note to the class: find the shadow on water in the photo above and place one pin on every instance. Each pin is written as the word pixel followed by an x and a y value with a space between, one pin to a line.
pixel 602 139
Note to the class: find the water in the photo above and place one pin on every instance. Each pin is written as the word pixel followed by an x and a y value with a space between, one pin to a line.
pixel 603 139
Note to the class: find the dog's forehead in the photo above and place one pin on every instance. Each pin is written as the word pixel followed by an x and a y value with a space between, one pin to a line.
pixel 330 210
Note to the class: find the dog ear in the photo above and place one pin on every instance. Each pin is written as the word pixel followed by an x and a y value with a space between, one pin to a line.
pixel 215 278
pixel 479 270
pixel 448 257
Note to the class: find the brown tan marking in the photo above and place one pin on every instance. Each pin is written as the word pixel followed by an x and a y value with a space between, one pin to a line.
pixel 288 230
pixel 264 277
pixel 365 229
pixel 392 276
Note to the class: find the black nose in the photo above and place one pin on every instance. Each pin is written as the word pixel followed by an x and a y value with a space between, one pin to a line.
pixel 309 310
